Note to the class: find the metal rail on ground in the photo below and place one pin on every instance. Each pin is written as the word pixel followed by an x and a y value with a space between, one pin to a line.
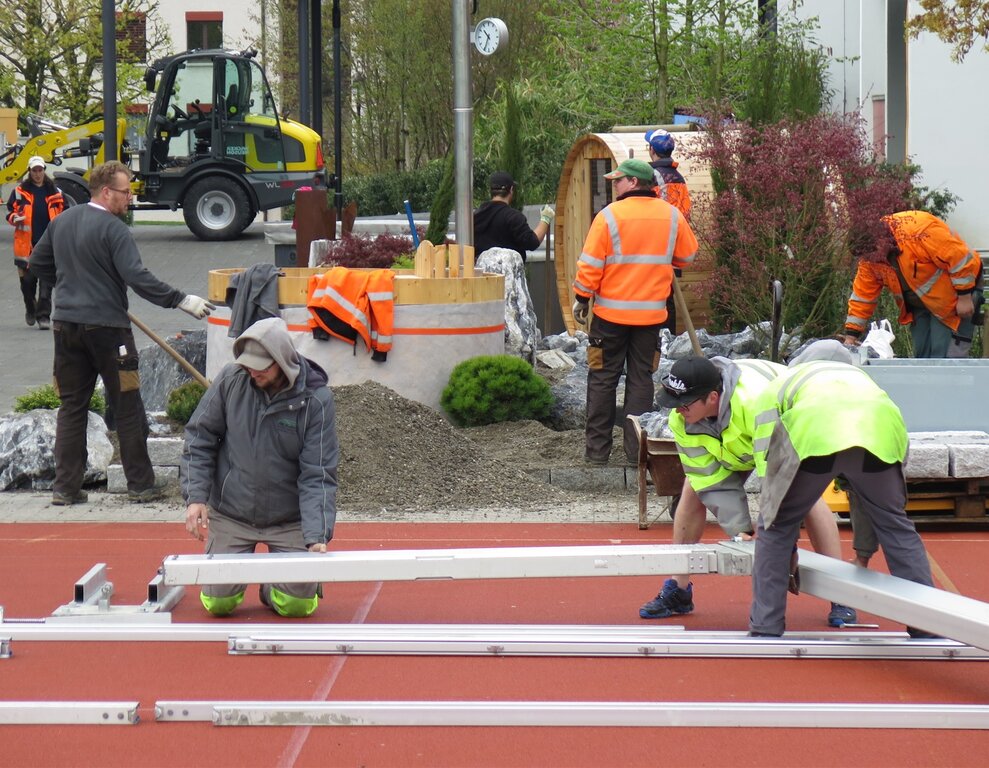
pixel 649 714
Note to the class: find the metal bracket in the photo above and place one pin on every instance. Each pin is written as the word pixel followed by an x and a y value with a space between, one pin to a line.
pixel 5 652
pixel 92 595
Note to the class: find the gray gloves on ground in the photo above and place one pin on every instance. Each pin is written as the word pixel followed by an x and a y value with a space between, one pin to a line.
pixel 547 214
pixel 580 312
pixel 196 306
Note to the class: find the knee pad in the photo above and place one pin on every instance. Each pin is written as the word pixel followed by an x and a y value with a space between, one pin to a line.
pixel 221 606
pixel 292 607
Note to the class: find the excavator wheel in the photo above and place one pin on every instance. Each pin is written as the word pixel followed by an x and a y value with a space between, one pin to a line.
pixel 74 193
pixel 217 208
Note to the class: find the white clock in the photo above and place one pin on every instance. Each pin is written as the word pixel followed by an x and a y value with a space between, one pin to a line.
pixel 490 35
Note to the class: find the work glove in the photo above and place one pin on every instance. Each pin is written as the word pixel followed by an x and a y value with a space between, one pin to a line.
pixel 16 219
pixel 196 306
pixel 580 312
pixel 547 214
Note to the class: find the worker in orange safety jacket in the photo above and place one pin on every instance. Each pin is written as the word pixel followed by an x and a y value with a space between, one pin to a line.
pixel 671 187
pixel 347 303
pixel 31 206
pixel 935 278
pixel 627 264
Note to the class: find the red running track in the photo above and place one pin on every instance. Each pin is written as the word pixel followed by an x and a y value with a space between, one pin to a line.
pixel 39 564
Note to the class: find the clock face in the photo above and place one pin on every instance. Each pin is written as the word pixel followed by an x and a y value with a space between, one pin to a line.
pixel 490 35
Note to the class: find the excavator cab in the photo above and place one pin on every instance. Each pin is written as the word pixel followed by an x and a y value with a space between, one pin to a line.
pixel 214 105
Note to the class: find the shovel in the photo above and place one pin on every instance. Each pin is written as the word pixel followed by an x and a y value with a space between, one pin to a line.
pixel 186 365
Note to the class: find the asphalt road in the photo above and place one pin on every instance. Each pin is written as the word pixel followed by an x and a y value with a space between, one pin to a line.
pixel 169 250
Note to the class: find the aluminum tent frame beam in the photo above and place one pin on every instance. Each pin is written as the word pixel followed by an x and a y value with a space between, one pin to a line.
pixel 666 641
pixel 945 613
pixel 567 714
pixel 68 713
pixel 643 644
pixel 480 563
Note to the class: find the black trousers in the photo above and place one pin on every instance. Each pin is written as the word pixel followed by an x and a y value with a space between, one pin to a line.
pixel 615 348
pixel 83 352
pixel 37 295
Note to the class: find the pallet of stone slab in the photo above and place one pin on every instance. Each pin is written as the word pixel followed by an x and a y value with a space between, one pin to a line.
pixel 942 499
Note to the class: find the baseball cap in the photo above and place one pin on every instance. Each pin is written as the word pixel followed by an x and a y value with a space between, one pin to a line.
pixel 35 162
pixel 690 379
pixel 254 355
pixel 660 141
pixel 501 180
pixel 638 169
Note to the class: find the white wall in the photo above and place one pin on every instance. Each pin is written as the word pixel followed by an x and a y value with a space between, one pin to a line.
pixel 947 109
pixel 948 126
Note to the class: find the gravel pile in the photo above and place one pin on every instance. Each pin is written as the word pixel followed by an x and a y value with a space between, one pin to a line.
pixel 397 454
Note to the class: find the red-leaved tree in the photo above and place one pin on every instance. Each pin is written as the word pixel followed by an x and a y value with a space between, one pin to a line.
pixel 792 201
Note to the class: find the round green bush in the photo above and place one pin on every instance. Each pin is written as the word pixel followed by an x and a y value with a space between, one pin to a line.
pixel 47 398
pixel 494 388
pixel 182 401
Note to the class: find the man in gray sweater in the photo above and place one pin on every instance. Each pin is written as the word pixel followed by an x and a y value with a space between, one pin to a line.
pixel 91 257
pixel 260 464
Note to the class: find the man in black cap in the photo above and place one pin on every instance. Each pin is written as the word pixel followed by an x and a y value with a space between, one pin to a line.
pixel 498 225
pixel 713 413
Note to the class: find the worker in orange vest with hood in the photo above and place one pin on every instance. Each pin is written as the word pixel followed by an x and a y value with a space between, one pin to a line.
pixel 627 264
pixel 31 206
pixel 935 278
pixel 671 187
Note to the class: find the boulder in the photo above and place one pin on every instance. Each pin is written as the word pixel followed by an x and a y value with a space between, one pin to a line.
pixel 27 443
pixel 521 329
pixel 159 371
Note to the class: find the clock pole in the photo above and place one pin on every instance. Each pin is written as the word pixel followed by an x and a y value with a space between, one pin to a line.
pixel 463 126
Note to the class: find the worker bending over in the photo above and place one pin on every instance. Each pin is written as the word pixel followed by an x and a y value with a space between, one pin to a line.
pixel 815 421
pixel 935 278
pixel 713 423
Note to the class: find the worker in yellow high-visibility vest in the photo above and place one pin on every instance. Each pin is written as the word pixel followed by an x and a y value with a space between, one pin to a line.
pixel 818 420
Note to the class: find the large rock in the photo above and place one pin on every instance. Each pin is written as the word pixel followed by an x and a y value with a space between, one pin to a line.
pixel 521 330
pixel 160 373
pixel 27 443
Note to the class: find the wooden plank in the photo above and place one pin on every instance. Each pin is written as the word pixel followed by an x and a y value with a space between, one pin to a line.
pixel 409 288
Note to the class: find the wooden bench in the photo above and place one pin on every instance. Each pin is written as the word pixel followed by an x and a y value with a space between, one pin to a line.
pixel 659 466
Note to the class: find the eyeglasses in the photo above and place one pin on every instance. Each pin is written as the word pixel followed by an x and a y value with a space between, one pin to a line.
pixel 127 191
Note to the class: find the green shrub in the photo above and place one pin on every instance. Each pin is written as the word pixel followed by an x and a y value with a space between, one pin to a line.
pixel 494 388
pixel 182 401
pixel 404 261
pixel 383 194
pixel 45 397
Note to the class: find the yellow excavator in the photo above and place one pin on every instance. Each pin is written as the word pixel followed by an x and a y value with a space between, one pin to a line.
pixel 214 145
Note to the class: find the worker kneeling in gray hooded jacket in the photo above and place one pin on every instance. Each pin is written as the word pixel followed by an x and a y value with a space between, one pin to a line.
pixel 260 463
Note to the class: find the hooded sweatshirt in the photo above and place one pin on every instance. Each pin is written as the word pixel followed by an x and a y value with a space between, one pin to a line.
pixel 266 459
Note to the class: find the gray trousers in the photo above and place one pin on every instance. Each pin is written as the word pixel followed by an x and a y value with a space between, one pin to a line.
pixel 232 537
pixel 882 491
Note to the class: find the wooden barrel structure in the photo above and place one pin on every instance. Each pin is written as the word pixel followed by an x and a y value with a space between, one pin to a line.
pixel 439 322
pixel 584 191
